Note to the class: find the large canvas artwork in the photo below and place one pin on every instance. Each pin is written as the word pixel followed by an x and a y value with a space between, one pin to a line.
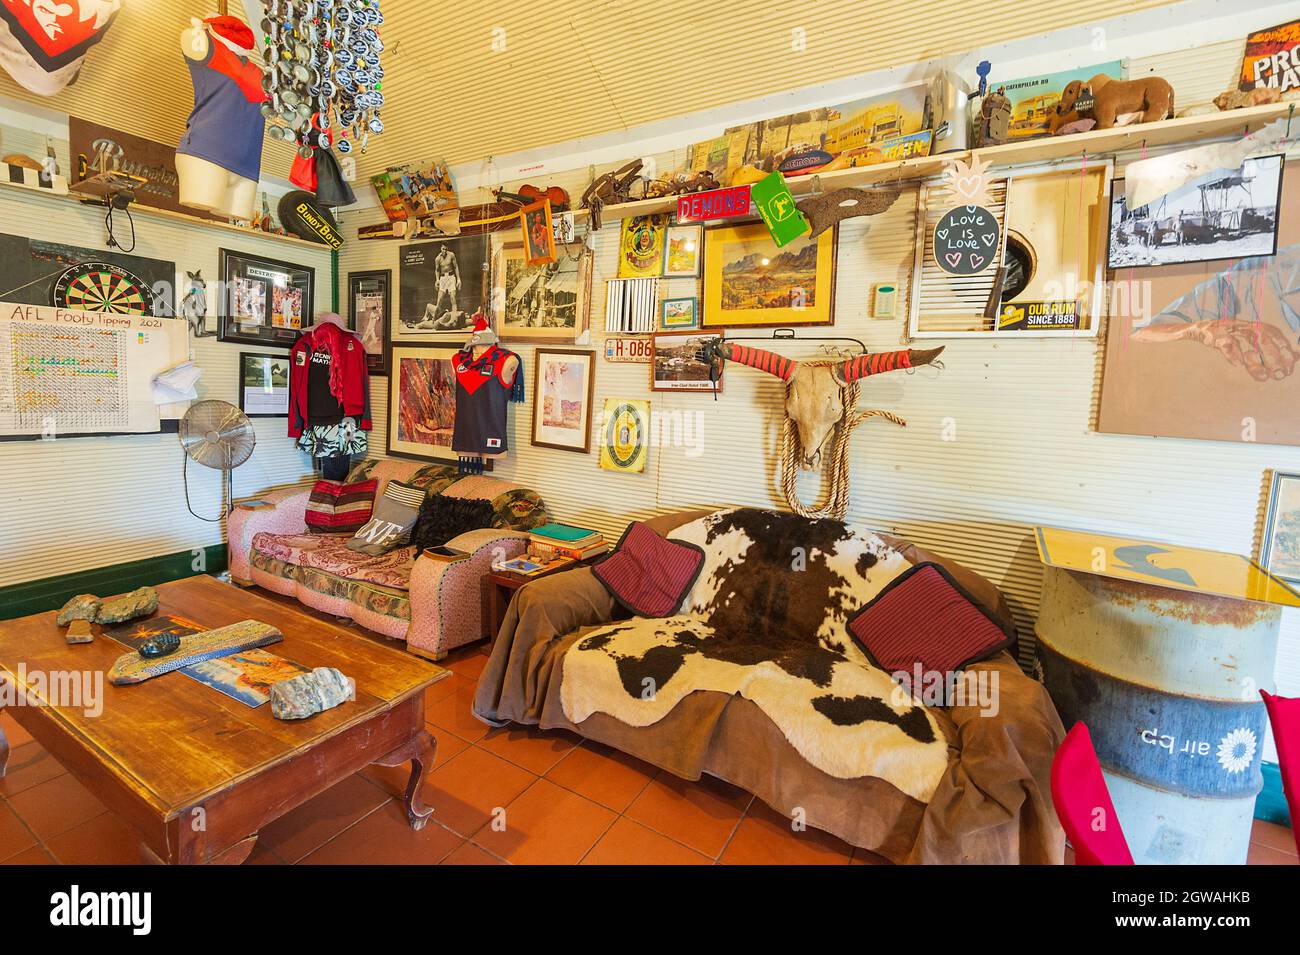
pixel 1209 350
pixel 421 403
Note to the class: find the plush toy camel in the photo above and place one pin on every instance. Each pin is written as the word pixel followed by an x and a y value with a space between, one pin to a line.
pixel 1118 102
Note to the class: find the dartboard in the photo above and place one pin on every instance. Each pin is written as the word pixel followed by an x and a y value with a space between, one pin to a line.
pixel 102 287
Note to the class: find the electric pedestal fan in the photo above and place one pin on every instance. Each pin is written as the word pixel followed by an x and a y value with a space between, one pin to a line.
pixel 218 435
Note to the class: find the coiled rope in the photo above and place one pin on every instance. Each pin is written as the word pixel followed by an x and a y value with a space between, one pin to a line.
pixel 835 503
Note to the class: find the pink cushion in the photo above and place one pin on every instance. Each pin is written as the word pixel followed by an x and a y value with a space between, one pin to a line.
pixel 1284 713
pixel 1083 803
pixel 923 616
pixel 649 574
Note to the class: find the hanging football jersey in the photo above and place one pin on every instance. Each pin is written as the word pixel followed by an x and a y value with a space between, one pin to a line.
pixel 482 394
pixel 43 42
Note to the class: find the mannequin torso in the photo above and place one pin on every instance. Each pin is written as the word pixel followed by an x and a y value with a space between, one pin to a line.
pixel 205 184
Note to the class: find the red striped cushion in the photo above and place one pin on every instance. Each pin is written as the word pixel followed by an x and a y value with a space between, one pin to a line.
pixel 923 616
pixel 337 508
pixel 649 574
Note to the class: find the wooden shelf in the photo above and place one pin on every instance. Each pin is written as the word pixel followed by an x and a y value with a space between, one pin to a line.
pixel 181 217
pixel 1096 143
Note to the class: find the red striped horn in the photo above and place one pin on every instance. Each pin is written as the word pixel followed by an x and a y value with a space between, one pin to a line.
pixel 883 361
pixel 767 361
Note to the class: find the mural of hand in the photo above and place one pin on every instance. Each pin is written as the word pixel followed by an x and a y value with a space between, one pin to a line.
pixel 1263 350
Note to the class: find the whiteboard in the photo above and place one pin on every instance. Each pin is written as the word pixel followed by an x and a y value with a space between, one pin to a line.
pixel 65 372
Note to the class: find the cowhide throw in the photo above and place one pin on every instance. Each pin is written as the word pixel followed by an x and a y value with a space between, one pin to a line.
pixel 766 619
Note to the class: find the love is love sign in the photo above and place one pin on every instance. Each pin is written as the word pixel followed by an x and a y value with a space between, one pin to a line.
pixel 966 240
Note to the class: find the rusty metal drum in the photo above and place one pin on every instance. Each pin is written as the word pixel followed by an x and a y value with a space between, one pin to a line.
pixel 1168 684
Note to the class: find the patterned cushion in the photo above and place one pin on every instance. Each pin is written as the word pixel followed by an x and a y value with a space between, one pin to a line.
pixel 648 574
pixel 394 517
pixel 924 617
pixel 336 508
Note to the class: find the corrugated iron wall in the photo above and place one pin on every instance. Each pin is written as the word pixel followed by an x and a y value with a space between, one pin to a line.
pixel 82 503
pixel 1000 440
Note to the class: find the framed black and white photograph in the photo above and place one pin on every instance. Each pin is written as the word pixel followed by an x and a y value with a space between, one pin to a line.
pixel 263 385
pixel 370 304
pixel 1231 215
pixel 1279 553
pixel 549 302
pixel 442 284
pixel 265 302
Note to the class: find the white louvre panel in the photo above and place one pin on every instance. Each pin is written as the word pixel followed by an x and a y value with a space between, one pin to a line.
pixel 950 303
pixel 83 503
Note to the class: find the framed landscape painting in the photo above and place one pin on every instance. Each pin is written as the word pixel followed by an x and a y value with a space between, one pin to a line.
pixel 421 403
pixel 563 385
pixel 749 282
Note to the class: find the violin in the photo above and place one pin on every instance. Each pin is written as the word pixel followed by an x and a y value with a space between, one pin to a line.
pixel 528 194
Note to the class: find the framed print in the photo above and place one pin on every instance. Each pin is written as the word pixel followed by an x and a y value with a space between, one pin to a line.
pixel 541 303
pixel 264 385
pixel 564 382
pixel 1232 216
pixel 749 282
pixel 625 435
pixel 421 402
pixel 370 304
pixel 539 240
pixel 677 313
pixel 676 364
pixel 266 302
pixel 683 246
pixel 1213 348
pixel 441 285
pixel 641 247
pixel 1279 553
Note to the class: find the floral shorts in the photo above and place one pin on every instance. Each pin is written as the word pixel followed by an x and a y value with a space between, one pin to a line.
pixel 334 440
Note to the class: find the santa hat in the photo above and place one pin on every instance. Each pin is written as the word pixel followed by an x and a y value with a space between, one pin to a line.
pixel 482 334
pixel 234 30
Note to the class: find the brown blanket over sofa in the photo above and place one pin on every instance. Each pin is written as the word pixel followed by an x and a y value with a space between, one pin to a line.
pixel 993 804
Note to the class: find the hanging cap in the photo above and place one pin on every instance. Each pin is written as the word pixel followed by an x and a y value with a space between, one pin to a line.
pixel 233 29
pixel 483 334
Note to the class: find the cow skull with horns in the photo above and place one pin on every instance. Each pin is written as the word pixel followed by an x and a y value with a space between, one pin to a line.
pixel 820 398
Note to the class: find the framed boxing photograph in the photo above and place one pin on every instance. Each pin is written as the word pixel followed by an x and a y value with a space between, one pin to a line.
pixel 441 285
pixel 266 302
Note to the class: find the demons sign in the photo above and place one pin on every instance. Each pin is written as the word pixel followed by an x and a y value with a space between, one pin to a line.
pixel 714 204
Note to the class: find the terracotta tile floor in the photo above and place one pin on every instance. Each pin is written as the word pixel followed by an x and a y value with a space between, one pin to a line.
pixel 510 795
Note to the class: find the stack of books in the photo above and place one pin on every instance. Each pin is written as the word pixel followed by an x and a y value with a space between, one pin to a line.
pixel 555 541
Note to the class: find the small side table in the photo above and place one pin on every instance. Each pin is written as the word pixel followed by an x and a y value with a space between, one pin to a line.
pixel 501 586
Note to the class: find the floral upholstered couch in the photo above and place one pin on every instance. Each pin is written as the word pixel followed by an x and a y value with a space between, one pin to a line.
pixel 433 605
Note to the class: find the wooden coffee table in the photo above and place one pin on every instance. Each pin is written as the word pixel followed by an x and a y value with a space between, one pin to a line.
pixel 198 773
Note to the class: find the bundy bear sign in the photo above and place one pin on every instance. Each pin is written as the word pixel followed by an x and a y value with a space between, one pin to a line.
pixel 966 240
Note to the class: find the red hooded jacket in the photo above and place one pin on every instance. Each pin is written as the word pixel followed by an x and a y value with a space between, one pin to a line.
pixel 349 380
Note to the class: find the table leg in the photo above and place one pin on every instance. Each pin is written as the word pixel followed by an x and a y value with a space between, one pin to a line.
pixel 419 752
pixel 4 751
